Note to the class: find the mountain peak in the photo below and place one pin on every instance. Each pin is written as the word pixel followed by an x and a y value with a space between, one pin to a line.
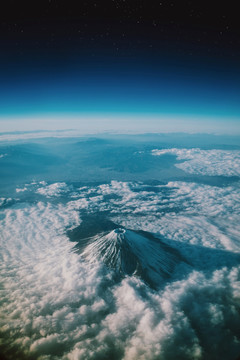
pixel 130 252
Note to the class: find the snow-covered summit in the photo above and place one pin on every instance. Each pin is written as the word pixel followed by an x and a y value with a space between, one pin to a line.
pixel 130 252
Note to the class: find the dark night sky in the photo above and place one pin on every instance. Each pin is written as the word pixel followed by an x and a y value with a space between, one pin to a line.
pixel 119 29
pixel 82 56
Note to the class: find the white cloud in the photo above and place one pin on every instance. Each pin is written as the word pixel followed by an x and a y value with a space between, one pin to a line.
pixel 186 212
pixel 56 189
pixel 179 210
pixel 205 162
pixel 5 201
pixel 59 306
pixel 21 189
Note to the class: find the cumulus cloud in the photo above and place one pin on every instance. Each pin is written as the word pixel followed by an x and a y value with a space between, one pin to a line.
pixel 5 201
pixel 193 213
pixel 56 305
pixel 178 210
pixel 21 189
pixel 56 189
pixel 205 162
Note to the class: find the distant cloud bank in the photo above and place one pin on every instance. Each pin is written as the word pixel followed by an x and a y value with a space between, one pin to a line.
pixel 205 162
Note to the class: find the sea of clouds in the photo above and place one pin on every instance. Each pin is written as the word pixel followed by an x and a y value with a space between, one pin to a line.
pixel 57 305
pixel 205 162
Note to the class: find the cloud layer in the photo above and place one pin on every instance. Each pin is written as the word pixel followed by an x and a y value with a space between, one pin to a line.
pixel 205 162
pixel 57 305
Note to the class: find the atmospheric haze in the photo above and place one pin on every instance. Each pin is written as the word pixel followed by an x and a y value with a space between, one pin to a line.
pixel 120 247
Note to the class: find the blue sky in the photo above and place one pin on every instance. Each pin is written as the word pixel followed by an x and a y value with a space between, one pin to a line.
pixel 119 91
pixel 167 61
pixel 166 93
